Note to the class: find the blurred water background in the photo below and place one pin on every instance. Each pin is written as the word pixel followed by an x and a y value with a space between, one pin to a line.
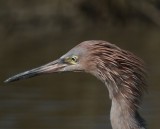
pixel 35 32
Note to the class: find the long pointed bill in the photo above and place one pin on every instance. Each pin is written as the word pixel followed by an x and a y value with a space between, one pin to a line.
pixel 55 66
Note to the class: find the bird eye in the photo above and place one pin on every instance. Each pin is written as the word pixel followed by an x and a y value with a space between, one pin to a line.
pixel 74 58
pixel 71 60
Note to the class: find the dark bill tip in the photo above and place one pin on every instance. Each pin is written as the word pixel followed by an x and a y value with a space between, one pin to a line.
pixel 21 76
pixel 51 67
pixel 7 80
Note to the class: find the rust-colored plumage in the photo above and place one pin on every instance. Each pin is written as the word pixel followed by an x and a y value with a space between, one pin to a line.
pixel 120 68
pixel 122 72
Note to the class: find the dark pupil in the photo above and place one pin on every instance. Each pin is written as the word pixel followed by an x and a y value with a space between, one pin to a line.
pixel 74 59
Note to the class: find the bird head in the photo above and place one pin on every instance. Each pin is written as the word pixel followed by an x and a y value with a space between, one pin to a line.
pixel 74 60
pixel 104 60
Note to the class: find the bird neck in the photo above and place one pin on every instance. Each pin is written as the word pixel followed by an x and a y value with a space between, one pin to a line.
pixel 126 94
pixel 123 116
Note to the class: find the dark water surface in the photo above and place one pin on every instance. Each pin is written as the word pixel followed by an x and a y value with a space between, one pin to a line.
pixel 66 100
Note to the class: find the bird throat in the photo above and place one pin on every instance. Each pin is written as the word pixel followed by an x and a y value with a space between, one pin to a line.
pixel 124 114
pixel 123 117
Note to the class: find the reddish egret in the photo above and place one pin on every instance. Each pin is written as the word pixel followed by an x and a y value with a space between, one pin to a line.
pixel 121 71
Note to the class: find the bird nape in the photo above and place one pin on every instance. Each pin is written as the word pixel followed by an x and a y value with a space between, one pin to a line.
pixel 121 71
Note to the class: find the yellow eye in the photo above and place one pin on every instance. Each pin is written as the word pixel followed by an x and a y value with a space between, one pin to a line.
pixel 71 60
pixel 74 58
